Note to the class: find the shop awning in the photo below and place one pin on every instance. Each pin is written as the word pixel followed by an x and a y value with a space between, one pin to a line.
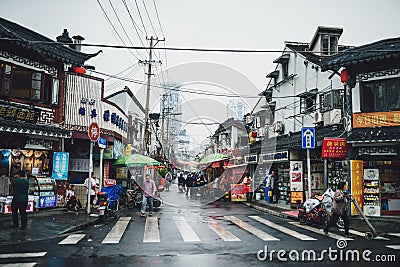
pixel 33 129
pixel 374 135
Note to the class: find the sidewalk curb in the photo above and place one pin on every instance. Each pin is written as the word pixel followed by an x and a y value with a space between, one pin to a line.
pixel 271 212
pixel 78 227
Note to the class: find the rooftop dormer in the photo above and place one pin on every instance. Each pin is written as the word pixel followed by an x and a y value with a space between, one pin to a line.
pixel 325 40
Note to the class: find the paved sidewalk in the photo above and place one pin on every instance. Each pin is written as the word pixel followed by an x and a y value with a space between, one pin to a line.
pixel 44 224
pixel 381 224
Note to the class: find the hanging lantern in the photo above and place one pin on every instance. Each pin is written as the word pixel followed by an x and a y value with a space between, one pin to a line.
pixel 80 70
pixel 344 76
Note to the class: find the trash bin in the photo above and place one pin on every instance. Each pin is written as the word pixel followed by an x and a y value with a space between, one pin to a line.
pixel 267 198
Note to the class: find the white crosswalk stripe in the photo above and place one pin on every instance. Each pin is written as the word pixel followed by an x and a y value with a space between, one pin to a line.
pixel 257 232
pixel 221 231
pixel 195 232
pixel 282 229
pixel 319 231
pixel 23 255
pixel 10 256
pixel 114 236
pixel 151 232
pixel 186 231
pixel 394 234
pixel 72 239
pixel 396 247
pixel 22 264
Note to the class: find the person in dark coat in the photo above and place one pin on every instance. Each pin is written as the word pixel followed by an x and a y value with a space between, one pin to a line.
pixel 20 186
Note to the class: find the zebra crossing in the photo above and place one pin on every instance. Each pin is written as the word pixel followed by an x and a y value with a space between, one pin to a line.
pixel 187 233
pixel 19 256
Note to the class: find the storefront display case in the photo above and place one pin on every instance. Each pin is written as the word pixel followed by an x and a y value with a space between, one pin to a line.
pixel 372 203
pixel 390 190
pixel 44 190
pixel 283 183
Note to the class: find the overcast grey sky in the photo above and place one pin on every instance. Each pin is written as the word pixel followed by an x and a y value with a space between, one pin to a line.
pixel 233 24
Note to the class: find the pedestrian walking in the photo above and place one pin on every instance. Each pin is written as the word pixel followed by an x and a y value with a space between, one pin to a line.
pixel 339 209
pixel 90 184
pixel 20 186
pixel 149 190
pixel 189 184
pixel 168 178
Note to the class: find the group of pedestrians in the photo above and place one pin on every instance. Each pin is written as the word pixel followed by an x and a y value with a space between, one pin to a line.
pixel 199 184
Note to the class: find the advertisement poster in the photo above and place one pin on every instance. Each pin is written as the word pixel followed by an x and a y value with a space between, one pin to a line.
pixel 238 192
pixel 60 165
pixel 296 182
pixel 334 148
pixel 46 202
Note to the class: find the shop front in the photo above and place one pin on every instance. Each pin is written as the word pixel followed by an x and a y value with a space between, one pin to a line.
pixel 379 170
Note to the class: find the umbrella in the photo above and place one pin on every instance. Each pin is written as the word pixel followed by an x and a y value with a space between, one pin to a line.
pixel 213 157
pixel 136 160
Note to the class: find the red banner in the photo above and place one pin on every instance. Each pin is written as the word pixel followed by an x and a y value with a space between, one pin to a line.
pixel 334 148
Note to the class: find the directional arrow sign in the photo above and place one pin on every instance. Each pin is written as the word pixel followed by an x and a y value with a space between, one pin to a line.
pixel 308 138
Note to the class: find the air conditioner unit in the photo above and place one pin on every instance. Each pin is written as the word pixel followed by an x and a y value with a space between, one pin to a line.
pixel 278 126
pixel 318 117
pixel 333 117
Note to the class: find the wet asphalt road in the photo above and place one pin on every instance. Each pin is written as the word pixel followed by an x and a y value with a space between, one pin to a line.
pixel 178 225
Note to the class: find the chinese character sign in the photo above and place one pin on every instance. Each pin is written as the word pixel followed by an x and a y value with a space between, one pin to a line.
pixel 375 119
pixel 334 148
pixel 60 165
pixel 356 171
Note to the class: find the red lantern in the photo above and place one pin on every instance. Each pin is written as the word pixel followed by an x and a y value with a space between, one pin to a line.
pixel 344 76
pixel 80 70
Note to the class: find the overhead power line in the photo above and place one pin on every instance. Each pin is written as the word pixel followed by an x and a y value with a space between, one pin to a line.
pixel 193 49
pixel 158 18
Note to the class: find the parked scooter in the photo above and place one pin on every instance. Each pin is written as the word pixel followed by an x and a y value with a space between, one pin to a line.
pixel 318 210
pixel 108 202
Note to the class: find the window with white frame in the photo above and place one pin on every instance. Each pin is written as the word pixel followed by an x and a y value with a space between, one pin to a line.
pixel 329 44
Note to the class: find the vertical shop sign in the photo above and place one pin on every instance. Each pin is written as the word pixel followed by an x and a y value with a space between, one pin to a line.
pixel 356 171
pixel 296 182
pixel 60 165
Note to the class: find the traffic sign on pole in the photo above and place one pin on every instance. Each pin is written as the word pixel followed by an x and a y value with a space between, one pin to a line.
pixel 308 138
pixel 94 132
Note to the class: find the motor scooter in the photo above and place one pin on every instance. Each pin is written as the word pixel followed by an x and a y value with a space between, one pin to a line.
pixel 108 202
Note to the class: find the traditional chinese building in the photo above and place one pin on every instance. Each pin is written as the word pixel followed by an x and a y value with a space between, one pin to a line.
pixel 372 77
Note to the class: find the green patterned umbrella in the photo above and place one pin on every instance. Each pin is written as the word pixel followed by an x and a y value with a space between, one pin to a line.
pixel 213 157
pixel 136 160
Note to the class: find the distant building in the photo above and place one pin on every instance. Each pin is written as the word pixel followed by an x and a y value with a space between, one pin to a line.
pixel 236 109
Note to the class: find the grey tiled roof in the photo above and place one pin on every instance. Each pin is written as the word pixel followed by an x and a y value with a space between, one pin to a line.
pixel 383 50
pixel 26 38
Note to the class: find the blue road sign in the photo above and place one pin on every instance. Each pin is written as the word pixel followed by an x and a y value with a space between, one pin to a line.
pixel 308 138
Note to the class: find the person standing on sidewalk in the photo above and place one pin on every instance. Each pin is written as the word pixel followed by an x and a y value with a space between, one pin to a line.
pixel 90 184
pixel 247 181
pixel 272 186
pixel 149 188
pixel 339 209
pixel 20 186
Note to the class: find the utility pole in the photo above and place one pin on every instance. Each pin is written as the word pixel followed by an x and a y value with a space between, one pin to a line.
pixel 153 43
pixel 162 124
